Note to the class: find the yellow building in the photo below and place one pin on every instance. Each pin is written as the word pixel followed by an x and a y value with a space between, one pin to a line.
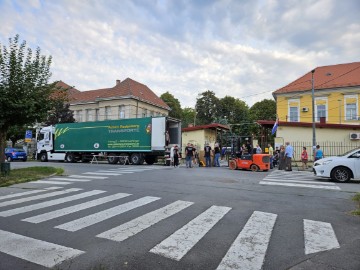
pixel 336 107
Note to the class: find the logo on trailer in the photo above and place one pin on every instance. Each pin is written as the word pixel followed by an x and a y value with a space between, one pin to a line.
pixel 96 145
pixel 148 128
pixel 62 146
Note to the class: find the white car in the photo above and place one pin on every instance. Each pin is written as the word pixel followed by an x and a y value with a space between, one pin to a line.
pixel 339 168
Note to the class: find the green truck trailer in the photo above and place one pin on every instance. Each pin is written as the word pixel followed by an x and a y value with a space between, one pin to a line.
pixel 136 140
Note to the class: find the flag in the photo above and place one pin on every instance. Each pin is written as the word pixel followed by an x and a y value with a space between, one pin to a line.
pixel 275 126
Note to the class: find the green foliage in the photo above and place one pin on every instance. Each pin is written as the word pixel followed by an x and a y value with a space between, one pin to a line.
pixel 207 106
pixel 60 113
pixel 24 89
pixel 173 103
pixel 28 174
pixel 263 110
pixel 188 116
pixel 16 133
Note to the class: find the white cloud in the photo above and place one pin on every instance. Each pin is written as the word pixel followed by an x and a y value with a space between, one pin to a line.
pixel 236 48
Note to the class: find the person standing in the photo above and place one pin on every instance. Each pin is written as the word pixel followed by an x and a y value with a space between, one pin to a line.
pixel 304 158
pixel 258 149
pixel 217 155
pixel 207 150
pixel 189 153
pixel 281 158
pixel 271 153
pixel 289 152
pixel 176 156
pixel 319 154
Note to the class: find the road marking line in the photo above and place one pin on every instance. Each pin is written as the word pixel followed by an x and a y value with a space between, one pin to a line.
pixel 36 251
pixel 298 181
pixel 88 176
pixel 319 236
pixel 42 196
pixel 70 179
pixel 32 207
pixel 53 188
pixel 299 185
pixel 96 173
pixel 141 223
pixel 179 243
pixel 86 221
pixel 74 208
pixel 51 182
pixel 22 194
pixel 249 248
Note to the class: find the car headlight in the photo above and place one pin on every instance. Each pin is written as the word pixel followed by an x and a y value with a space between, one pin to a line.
pixel 325 162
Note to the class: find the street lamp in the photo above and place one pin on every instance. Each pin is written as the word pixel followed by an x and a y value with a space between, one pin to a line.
pixel 313 109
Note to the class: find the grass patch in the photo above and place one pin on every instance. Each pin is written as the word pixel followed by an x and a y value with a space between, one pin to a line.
pixel 24 175
pixel 356 198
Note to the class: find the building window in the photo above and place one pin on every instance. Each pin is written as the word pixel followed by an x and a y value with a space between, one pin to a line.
pixel 294 114
pixel 78 116
pixel 351 111
pixel 320 111
pixel 121 112
pixel 107 112
pixel 97 114
pixel 89 115
pixel 144 114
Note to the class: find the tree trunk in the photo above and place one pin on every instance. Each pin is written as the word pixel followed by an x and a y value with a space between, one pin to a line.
pixel 2 145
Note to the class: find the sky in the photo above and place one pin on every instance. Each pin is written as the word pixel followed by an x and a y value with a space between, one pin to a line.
pixel 241 48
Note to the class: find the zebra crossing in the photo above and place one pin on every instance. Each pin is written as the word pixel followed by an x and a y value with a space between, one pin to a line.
pixel 94 175
pixel 247 251
pixel 301 179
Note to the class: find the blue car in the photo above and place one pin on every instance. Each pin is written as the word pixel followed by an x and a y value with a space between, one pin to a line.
pixel 15 154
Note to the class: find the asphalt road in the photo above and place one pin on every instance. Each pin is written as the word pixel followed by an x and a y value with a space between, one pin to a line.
pixel 101 216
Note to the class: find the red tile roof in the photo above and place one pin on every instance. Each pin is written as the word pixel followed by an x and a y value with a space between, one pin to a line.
pixel 210 126
pixel 127 88
pixel 71 91
pixel 342 75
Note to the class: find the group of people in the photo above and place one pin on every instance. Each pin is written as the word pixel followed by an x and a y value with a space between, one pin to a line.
pixel 283 156
pixel 209 152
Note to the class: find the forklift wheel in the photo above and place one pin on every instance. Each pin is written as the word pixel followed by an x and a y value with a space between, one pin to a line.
pixel 254 168
pixel 232 165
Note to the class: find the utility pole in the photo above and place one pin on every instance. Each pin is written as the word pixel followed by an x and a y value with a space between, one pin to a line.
pixel 313 109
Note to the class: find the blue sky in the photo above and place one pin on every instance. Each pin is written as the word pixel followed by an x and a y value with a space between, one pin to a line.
pixel 241 48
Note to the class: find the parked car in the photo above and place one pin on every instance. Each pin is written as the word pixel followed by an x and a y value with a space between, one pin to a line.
pixel 339 168
pixel 15 154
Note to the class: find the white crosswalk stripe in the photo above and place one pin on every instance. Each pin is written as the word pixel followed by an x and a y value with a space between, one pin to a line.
pixel 51 182
pixel 36 251
pixel 102 173
pixel 37 197
pixel 41 205
pixel 84 222
pixel 180 242
pixel 87 176
pixel 70 179
pixel 26 193
pixel 75 208
pixel 297 179
pixel 139 224
pixel 319 236
pixel 247 250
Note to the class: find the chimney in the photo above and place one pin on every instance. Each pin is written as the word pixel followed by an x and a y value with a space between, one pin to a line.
pixel 118 82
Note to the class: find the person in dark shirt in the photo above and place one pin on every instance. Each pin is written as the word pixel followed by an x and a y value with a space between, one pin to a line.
pixel 176 156
pixel 189 152
pixel 217 155
pixel 207 150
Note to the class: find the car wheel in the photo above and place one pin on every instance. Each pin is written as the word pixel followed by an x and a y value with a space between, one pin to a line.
pixel 9 159
pixel 24 159
pixel 341 174
pixel 43 157
pixel 254 168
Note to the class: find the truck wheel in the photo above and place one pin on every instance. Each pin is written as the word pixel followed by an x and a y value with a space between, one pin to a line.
pixel 113 160
pixel 150 160
pixel 232 165
pixel 135 158
pixel 43 157
pixel 70 158
pixel 254 168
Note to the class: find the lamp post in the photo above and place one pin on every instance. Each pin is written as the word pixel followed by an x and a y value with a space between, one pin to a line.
pixel 313 109
pixel 339 111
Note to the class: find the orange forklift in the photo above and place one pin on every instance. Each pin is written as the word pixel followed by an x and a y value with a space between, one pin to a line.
pixel 253 162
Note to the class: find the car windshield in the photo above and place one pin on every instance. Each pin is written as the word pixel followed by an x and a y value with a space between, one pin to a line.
pixel 19 150
pixel 348 152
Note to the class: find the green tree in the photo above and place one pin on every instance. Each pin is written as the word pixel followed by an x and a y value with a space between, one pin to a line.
pixel 188 116
pixel 207 105
pixel 25 95
pixel 263 110
pixel 173 103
